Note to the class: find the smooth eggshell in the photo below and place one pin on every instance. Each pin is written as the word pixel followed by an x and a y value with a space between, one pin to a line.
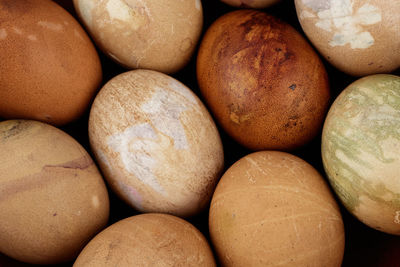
pixel 148 240
pixel 156 143
pixel 361 150
pixel 49 68
pixel 151 34
pixel 53 199
pixel 251 3
pixel 262 81
pixel 273 209
pixel 357 37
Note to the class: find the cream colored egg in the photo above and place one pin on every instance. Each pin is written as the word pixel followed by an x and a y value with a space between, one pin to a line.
pixel 151 34
pixel 156 143
pixel 148 240
pixel 53 199
pixel 358 37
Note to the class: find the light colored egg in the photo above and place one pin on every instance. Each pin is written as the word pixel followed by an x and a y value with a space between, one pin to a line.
pixel 156 143
pixel 148 240
pixel 251 3
pixel 262 81
pixel 53 199
pixel 49 69
pixel 150 34
pixel 361 150
pixel 357 37
pixel 271 208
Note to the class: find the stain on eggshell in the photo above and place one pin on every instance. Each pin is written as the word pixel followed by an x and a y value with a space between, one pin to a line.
pixel 53 199
pixel 49 69
pixel 146 34
pixel 357 37
pixel 262 81
pixel 156 143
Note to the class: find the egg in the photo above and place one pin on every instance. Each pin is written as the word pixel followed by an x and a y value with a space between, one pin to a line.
pixel 251 3
pixel 262 81
pixel 272 208
pixel 357 37
pixel 49 68
pixel 148 240
pixel 156 143
pixel 53 199
pixel 151 34
pixel 360 150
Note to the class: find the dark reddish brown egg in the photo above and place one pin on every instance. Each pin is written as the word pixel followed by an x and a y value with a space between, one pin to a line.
pixel 263 82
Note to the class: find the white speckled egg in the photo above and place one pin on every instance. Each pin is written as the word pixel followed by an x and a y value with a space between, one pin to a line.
pixel 150 34
pixel 357 37
pixel 156 143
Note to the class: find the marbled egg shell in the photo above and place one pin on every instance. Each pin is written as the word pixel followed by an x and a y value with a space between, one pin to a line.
pixel 156 143
pixel 150 34
pixel 357 37
pixel 361 150
pixel 148 240
pixel 53 199
pixel 49 68
pixel 262 81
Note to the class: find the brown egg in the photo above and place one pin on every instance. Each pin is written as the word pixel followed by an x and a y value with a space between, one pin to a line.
pixel 53 199
pixel 251 3
pixel 148 34
pixel 148 240
pixel 262 81
pixel 358 37
pixel 49 69
pixel 273 209
pixel 156 143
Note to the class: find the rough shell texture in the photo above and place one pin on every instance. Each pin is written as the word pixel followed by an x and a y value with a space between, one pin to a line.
pixel 263 82
pixel 148 240
pixel 52 196
pixel 357 37
pixel 49 69
pixel 150 34
pixel 251 3
pixel 361 150
pixel 272 208
pixel 156 143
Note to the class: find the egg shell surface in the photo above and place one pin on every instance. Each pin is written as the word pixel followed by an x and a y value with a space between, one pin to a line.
pixel 357 37
pixel 262 81
pixel 272 208
pixel 251 3
pixel 156 143
pixel 361 150
pixel 53 199
pixel 49 68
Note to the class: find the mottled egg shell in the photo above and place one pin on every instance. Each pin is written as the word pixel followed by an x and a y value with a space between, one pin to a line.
pixel 262 81
pixel 150 34
pixel 251 3
pixel 148 240
pixel 361 150
pixel 49 69
pixel 156 143
pixel 358 37
pixel 271 208
pixel 52 197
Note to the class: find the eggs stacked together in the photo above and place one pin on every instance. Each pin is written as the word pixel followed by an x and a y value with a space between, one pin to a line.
pixel 189 133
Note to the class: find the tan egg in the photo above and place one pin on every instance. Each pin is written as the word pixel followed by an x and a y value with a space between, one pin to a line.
pixel 357 37
pixel 49 69
pixel 148 240
pixel 262 81
pixel 53 199
pixel 251 3
pixel 156 143
pixel 151 34
pixel 271 208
